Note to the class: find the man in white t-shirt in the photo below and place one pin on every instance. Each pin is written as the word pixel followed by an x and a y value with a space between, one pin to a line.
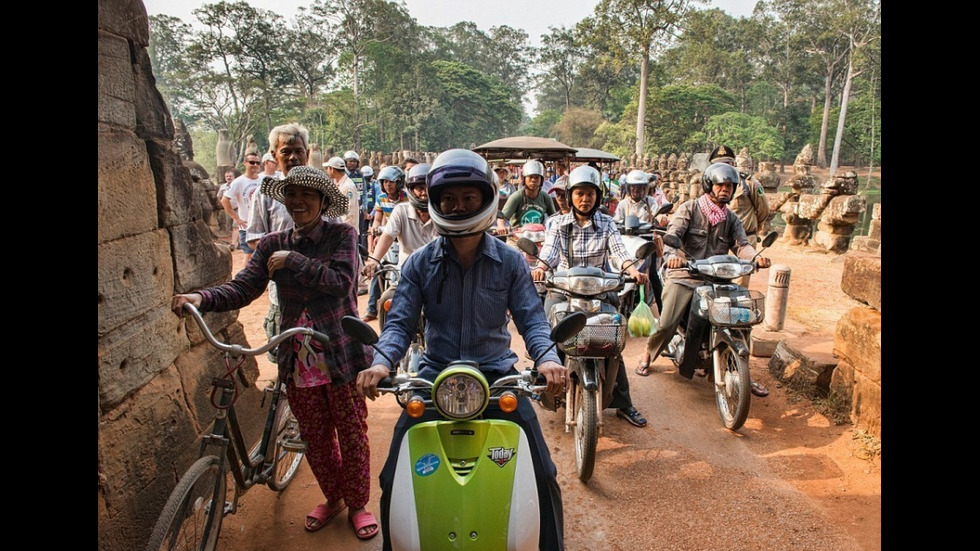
pixel 337 170
pixel 237 201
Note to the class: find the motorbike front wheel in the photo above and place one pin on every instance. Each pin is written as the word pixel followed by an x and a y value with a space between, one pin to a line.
pixel 733 391
pixel 586 431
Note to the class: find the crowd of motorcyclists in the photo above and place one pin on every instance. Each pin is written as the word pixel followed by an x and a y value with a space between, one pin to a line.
pixel 469 285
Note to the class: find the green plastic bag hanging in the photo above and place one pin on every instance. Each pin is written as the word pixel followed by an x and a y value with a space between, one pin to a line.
pixel 641 322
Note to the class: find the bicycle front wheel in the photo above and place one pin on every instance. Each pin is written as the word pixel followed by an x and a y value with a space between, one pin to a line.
pixel 191 519
pixel 289 448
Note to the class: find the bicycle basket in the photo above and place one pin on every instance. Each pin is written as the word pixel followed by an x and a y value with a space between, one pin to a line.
pixel 739 311
pixel 596 339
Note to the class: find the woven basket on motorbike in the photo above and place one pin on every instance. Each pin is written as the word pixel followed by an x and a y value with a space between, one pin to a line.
pixel 737 311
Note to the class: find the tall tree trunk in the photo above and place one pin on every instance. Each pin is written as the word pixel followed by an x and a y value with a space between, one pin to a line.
pixel 641 110
pixel 822 146
pixel 843 115
pixel 357 105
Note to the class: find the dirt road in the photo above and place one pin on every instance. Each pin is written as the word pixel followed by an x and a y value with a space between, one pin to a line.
pixel 789 479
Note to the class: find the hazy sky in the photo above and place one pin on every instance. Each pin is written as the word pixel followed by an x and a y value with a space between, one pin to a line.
pixel 534 16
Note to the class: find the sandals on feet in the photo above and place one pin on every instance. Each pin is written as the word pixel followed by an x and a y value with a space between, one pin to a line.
pixel 642 369
pixel 321 515
pixel 631 414
pixel 759 390
pixel 362 520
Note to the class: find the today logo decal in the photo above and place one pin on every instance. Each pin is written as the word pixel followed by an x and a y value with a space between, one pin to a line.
pixel 500 456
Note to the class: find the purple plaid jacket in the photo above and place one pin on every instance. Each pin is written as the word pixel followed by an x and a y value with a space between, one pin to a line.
pixel 320 276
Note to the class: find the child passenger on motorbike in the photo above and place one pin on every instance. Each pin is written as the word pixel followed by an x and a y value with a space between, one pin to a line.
pixel 585 237
pixel 466 282
pixel 706 227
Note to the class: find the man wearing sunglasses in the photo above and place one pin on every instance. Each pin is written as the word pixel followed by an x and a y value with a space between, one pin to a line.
pixel 237 201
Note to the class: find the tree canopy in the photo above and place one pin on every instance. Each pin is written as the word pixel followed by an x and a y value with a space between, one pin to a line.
pixel 636 76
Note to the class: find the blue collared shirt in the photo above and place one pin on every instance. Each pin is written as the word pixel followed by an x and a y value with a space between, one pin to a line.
pixel 466 310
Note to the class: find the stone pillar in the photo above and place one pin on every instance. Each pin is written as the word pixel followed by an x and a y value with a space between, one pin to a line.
pixel 777 297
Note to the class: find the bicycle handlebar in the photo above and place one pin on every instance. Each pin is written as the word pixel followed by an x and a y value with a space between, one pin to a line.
pixel 239 350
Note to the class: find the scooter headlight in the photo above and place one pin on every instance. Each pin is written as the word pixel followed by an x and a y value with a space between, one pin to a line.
pixel 586 285
pixel 536 236
pixel 460 392
pixel 727 270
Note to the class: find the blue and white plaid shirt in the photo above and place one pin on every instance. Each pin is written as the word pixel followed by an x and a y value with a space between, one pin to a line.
pixel 590 244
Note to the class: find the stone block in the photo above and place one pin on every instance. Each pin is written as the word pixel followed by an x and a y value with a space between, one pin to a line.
pixel 866 405
pixel 861 278
pixel 198 260
pixel 864 244
pixel 812 205
pixel 844 209
pixel 181 201
pixel 125 18
pixel 115 82
pixel 842 381
pixel 153 120
pixel 144 446
pixel 874 229
pixel 876 211
pixel 810 373
pixel 832 242
pixel 835 229
pixel 127 197
pixel 763 344
pixel 135 277
pixel 135 352
pixel 857 339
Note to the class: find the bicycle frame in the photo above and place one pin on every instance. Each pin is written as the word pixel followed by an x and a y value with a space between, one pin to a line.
pixel 190 517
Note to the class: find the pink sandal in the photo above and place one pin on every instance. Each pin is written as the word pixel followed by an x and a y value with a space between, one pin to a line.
pixel 362 520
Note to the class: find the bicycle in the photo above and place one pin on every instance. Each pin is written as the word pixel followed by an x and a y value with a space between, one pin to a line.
pixel 190 518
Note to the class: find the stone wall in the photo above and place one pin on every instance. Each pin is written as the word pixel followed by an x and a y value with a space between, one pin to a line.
pixel 154 372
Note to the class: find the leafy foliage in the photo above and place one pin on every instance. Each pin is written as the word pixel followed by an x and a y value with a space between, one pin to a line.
pixel 364 74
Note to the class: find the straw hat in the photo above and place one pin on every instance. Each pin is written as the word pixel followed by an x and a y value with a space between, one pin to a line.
pixel 310 177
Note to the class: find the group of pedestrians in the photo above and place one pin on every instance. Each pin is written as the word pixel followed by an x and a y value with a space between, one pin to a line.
pixel 302 236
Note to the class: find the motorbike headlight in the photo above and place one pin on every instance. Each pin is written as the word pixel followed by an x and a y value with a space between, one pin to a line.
pixel 727 270
pixel 586 285
pixel 584 304
pixel 460 392
pixel 536 236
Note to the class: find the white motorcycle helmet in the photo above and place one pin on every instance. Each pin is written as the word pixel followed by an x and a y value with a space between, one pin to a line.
pixel 584 176
pixel 635 178
pixel 533 167
pixel 367 171
pixel 462 167
pixel 351 154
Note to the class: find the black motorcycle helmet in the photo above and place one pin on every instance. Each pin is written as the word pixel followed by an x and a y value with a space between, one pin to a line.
pixel 416 176
pixel 719 173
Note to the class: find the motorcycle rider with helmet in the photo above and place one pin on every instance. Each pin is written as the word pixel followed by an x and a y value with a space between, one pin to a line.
pixel 466 281
pixel 528 205
pixel 590 237
pixel 706 227
pixel 409 224
pixel 392 181
pixel 352 163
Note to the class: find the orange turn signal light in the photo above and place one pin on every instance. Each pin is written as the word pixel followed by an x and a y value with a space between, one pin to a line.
pixel 507 402
pixel 387 305
pixel 415 407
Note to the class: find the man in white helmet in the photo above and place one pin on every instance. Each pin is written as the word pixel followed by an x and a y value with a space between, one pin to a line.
pixel 530 204
pixel 352 164
pixel 467 282
pixel 586 237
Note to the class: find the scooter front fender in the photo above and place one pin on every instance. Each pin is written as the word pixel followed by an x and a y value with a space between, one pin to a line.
pixel 464 485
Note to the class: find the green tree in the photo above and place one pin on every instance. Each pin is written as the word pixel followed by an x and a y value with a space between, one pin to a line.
pixel 577 128
pixel 677 115
pixel 643 27
pixel 560 56
pixel 738 130
pixel 471 106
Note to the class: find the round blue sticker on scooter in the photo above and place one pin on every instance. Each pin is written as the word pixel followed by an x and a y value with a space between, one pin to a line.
pixel 427 464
